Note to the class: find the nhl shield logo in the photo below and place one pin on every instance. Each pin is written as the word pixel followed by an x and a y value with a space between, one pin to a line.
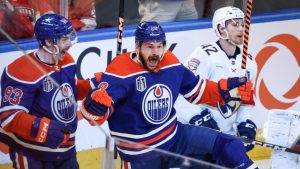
pixel 141 83
pixel 47 85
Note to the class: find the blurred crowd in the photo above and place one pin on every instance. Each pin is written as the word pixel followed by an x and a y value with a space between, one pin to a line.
pixel 17 17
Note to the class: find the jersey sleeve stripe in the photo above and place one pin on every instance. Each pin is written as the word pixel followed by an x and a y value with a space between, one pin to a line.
pixel 199 95
pixel 5 115
pixel 13 107
pixel 190 94
pixel 8 120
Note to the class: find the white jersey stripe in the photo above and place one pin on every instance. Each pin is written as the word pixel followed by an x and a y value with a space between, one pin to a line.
pixel 16 160
pixel 13 107
pixel 134 74
pixel 194 90
pixel 128 152
pixel 35 147
pixel 25 162
pixel 133 136
pixel 202 87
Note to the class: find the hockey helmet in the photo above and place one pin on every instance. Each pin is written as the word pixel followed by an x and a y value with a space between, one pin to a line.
pixel 52 27
pixel 149 31
pixel 223 14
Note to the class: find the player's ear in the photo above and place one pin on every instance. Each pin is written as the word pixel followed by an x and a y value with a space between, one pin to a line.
pixel 48 42
pixel 221 30
pixel 137 46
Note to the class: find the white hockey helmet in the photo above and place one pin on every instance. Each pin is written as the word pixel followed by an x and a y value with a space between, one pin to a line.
pixel 223 14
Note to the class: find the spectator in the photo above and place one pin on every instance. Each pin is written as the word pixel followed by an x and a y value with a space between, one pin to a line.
pixel 15 24
pixel 106 18
pixel 17 17
pixel 212 5
pixel 167 10
pixel 80 12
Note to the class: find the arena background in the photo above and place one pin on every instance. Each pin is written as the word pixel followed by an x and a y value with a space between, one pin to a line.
pixel 274 43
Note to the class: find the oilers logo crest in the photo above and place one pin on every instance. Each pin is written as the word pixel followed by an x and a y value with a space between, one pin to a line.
pixel 62 107
pixel 157 104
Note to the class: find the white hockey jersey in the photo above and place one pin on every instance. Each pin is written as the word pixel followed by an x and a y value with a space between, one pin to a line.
pixel 211 62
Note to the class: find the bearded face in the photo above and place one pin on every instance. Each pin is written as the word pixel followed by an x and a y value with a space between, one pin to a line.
pixel 150 54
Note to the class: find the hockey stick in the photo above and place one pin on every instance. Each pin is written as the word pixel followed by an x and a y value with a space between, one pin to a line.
pixel 246 35
pixel 269 145
pixel 119 45
pixel 120 27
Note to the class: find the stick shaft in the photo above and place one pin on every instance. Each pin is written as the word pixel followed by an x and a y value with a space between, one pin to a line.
pixel 246 34
pixel 120 27
pixel 272 146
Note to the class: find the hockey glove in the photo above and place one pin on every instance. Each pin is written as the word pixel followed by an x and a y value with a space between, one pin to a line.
pixel 97 106
pixel 247 130
pixel 246 91
pixel 205 119
pixel 226 85
pixel 50 133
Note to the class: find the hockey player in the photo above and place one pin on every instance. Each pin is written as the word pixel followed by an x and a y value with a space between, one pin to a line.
pixel 38 120
pixel 136 94
pixel 220 60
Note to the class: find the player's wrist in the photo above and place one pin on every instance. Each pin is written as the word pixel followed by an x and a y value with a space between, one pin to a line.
pixel 39 129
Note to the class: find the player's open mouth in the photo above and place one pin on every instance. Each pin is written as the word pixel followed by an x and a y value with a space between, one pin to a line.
pixel 152 62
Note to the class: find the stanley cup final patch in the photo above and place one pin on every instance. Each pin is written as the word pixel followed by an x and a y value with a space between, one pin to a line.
pixel 141 83
pixel 47 85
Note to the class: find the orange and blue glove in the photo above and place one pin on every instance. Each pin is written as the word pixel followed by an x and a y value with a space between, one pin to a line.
pixel 226 85
pixel 50 133
pixel 97 106
pixel 246 91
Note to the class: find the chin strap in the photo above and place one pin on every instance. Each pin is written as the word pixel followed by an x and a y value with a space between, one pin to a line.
pixel 230 41
pixel 49 51
pixel 53 53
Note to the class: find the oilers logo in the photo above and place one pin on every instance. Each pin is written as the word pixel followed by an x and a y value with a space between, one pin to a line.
pixel 62 106
pixel 157 104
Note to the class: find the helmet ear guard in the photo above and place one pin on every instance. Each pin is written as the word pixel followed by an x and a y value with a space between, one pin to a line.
pixel 224 14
